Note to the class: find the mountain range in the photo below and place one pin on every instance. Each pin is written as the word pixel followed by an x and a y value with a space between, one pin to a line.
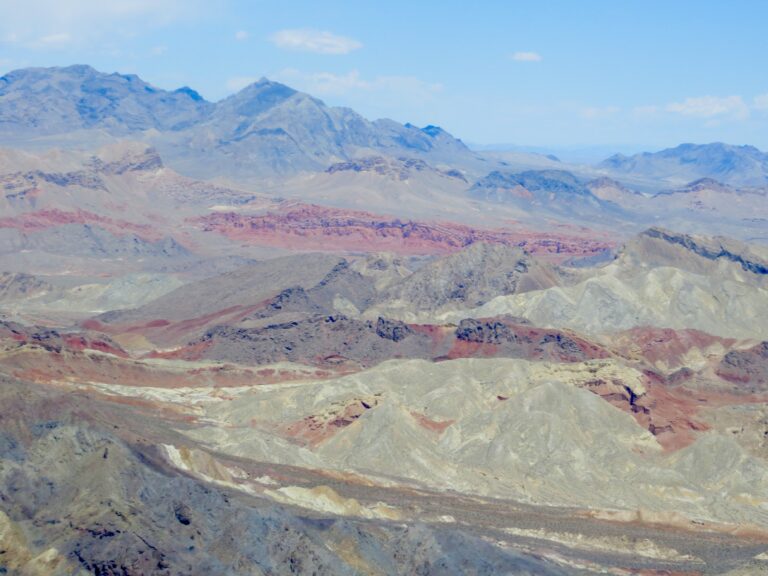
pixel 269 336
pixel 265 129
pixel 734 165
pixel 268 128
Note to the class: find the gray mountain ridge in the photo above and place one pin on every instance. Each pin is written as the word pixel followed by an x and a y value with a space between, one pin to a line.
pixel 557 191
pixel 266 129
pixel 273 138
pixel 729 164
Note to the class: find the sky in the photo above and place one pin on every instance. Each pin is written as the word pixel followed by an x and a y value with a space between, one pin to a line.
pixel 631 75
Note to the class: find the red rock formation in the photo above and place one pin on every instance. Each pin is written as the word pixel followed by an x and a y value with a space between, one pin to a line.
pixel 669 412
pixel 46 366
pixel 501 337
pixel 315 429
pixel 165 332
pixel 54 340
pixel 311 227
pixel 665 344
pixel 438 426
pixel 42 219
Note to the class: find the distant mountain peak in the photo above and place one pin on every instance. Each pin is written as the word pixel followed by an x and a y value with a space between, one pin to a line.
pixel 194 94
pixel 606 181
pixel 267 128
pixel 558 190
pixel 80 69
pixel 433 130
pixel 400 168
pixel 735 165
pixel 265 83
pixel 258 97
pixel 703 183
pixel 62 100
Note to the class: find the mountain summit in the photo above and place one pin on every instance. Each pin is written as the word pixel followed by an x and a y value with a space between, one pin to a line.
pixel 266 129
pixel 734 165
pixel 44 101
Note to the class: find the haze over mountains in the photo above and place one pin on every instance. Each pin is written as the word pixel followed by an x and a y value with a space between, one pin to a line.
pixel 281 141
pixel 269 336
pixel 735 165
pixel 266 128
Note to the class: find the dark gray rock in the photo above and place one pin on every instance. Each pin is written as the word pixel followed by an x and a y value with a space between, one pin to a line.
pixel 327 339
pixel 111 506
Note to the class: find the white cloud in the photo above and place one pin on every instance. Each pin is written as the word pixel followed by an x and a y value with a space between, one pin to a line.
pixel 648 110
pixel 526 57
pixel 711 107
pixel 159 50
pixel 54 40
pixel 594 112
pixel 52 24
pixel 760 102
pixel 237 83
pixel 69 11
pixel 241 35
pixel 351 84
pixel 317 41
pixel 392 96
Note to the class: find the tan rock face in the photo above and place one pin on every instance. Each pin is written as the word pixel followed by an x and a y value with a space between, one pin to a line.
pixel 506 428
pixel 622 296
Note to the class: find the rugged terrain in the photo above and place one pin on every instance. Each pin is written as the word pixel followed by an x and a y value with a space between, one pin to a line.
pixel 342 346
pixel 371 404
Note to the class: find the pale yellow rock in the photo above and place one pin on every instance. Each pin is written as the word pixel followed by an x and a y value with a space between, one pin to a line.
pixel 326 499
pixel 505 428
pixel 615 545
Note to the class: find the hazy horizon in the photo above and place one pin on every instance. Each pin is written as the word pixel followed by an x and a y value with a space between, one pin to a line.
pixel 550 75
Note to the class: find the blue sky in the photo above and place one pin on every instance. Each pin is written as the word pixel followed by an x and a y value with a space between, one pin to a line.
pixel 559 74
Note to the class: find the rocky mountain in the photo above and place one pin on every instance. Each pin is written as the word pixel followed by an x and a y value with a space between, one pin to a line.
pixel 408 186
pixel 46 101
pixel 661 279
pixel 266 129
pixel 101 497
pixel 733 165
pixel 311 227
pixel 610 190
pixel 400 169
pixel 246 287
pixel 94 241
pixel 733 211
pixel 359 348
pixel 283 143
pixel 22 293
pixel 749 368
pixel 470 277
pixel 696 253
pixel 609 416
pixel 552 191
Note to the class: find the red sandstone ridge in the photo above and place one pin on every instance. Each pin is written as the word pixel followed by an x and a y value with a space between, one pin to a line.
pixel 670 413
pixel 307 226
pixel 666 345
pixel 53 340
pixel 42 219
